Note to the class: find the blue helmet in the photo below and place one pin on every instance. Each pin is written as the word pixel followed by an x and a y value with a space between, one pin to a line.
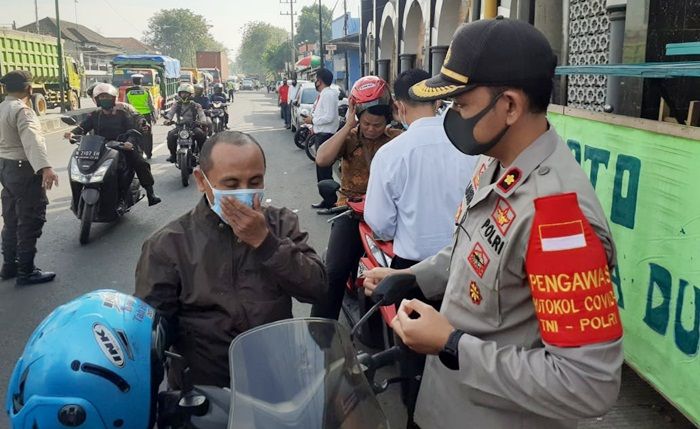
pixel 94 362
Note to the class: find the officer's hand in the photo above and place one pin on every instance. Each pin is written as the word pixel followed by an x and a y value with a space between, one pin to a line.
pixel 68 135
pixel 421 327
pixel 308 120
pixel 48 178
pixel 248 224
pixel 128 146
pixel 374 276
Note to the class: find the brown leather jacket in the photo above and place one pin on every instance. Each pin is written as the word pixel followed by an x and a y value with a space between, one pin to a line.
pixel 212 287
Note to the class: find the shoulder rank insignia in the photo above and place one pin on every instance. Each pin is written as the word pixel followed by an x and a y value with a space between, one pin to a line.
pixel 510 179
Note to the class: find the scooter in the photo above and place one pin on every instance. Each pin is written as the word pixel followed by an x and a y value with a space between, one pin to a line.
pixel 309 145
pixel 187 157
pixel 377 253
pixel 217 113
pixel 103 187
pixel 332 386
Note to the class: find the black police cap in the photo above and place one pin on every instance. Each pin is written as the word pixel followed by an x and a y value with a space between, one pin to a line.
pixel 490 52
pixel 17 77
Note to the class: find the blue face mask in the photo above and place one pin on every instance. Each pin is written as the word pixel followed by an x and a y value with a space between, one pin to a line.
pixel 246 196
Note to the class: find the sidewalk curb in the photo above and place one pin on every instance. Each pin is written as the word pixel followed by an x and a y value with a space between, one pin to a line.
pixel 53 122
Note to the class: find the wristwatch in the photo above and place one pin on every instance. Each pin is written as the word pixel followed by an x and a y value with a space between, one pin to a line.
pixel 449 356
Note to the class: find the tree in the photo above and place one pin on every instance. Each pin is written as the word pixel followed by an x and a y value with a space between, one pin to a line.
pixel 307 25
pixel 257 38
pixel 180 33
pixel 275 57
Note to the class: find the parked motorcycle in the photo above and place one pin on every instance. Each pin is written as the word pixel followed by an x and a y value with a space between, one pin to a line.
pixel 309 145
pixel 217 114
pixel 103 188
pixel 187 157
pixel 332 386
pixel 377 253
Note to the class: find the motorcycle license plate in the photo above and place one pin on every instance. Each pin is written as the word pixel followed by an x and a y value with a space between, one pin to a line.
pixel 184 143
pixel 361 268
pixel 87 155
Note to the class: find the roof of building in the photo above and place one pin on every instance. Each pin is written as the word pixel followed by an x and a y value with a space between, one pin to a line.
pixel 70 31
pixel 132 45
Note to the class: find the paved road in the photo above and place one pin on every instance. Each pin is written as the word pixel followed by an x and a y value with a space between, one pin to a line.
pixel 109 260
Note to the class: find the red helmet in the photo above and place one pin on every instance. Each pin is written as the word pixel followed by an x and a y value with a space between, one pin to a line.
pixel 370 91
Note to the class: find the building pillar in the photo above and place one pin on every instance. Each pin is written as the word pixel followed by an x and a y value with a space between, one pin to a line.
pixel 490 8
pixel 437 55
pixel 384 69
pixel 475 13
pixel 616 12
pixel 407 62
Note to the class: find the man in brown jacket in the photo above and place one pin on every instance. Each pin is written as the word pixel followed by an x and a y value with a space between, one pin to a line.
pixel 228 265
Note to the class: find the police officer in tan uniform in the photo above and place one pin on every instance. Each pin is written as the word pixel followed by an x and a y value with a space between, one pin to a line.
pixel 528 334
pixel 25 174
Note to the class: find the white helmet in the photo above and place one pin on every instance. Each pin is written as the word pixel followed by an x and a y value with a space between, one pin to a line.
pixel 104 88
pixel 185 87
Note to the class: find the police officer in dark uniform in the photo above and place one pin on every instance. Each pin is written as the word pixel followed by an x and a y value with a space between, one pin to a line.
pixel 25 174
pixel 111 120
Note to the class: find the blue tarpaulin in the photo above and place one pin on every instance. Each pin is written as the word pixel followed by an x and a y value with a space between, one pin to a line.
pixel 171 66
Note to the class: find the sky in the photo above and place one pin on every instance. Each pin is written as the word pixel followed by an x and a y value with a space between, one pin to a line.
pixel 129 18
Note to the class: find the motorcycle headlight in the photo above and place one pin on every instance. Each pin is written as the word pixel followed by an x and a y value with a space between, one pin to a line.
pixel 99 174
pixel 184 134
pixel 75 174
pixel 95 177
pixel 377 253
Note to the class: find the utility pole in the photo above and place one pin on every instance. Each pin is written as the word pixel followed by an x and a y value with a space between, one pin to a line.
pixel 291 14
pixel 36 15
pixel 320 33
pixel 345 33
pixel 60 60
pixel 76 12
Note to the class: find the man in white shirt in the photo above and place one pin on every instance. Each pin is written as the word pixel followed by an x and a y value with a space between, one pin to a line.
pixel 417 180
pixel 293 91
pixel 324 118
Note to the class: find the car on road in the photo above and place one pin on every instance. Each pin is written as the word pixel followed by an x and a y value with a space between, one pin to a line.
pixel 303 103
pixel 247 85
pixel 305 99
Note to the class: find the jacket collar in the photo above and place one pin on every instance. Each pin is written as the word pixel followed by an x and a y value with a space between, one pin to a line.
pixel 203 212
pixel 516 174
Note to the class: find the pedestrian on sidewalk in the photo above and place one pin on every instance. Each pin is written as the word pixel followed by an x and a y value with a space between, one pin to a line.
pixel 25 174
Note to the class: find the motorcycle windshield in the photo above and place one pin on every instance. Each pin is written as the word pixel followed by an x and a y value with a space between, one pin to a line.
pixel 300 373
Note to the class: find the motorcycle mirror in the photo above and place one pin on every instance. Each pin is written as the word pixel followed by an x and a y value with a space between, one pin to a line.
pixel 393 289
pixel 69 120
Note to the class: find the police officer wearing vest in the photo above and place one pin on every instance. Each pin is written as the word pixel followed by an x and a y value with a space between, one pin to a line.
pixel 140 98
pixel 25 174
pixel 111 120
pixel 528 334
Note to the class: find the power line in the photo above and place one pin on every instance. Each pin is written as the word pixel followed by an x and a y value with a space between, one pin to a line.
pixel 121 16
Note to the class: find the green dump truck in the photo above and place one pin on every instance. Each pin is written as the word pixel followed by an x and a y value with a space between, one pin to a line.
pixel 38 54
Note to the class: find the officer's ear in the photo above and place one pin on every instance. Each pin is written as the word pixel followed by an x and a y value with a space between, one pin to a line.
pixel 517 105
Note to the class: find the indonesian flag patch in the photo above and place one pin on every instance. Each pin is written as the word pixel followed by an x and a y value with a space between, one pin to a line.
pixel 569 276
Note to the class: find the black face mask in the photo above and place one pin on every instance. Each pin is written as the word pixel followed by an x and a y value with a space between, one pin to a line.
pixel 106 103
pixel 461 131
pixel 317 85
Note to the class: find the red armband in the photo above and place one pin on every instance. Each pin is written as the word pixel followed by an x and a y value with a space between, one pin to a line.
pixel 569 276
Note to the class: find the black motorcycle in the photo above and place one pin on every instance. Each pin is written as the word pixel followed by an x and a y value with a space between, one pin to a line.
pixel 187 157
pixel 331 387
pixel 103 187
pixel 305 132
pixel 217 113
